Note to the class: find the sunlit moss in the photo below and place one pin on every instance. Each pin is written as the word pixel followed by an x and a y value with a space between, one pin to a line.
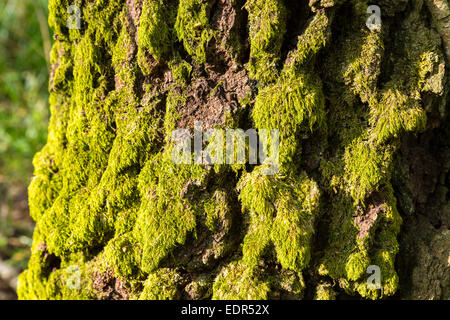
pixel 238 282
pixel 267 24
pixel 192 27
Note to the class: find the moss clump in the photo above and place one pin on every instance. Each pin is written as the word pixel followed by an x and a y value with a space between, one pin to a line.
pixel 324 291
pixel 238 282
pixel 200 288
pixel 281 211
pixel 366 167
pixel 192 27
pixel 161 285
pixel 217 209
pixel 155 33
pixel 123 255
pixel 50 277
pixel 181 71
pixel 283 208
pixel 267 22
pixel 158 232
pixel 294 104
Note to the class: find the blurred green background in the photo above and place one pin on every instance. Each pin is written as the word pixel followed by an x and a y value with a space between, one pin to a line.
pixel 25 43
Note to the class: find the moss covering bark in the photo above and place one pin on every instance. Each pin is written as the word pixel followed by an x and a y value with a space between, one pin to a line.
pixel 108 199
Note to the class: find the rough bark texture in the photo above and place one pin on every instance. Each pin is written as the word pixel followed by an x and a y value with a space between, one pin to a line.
pixel 364 152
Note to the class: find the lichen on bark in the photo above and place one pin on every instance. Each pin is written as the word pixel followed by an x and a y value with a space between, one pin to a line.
pixel 112 208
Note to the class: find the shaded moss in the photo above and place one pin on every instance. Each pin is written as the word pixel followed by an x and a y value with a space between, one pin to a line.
pixel 370 142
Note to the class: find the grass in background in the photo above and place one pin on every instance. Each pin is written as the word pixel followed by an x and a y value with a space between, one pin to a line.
pixel 24 66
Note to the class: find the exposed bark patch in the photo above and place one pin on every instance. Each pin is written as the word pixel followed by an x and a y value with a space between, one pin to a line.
pixel 54 67
pixel 190 188
pixel 132 23
pixel 50 261
pixel 424 173
pixel 133 16
pixel 204 248
pixel 162 82
pixel 365 222
pixel 230 21
pixel 211 97
pixel 200 288
pixel 109 286
pixel 224 17
pixel 222 83
pixel 422 182
pixel 52 73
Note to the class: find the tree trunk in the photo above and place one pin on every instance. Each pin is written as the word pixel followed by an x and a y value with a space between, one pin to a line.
pixel 360 193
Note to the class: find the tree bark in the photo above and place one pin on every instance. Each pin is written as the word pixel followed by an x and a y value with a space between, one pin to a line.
pixel 362 183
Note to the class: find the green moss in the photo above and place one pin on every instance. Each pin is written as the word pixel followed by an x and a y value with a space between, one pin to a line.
pixel 157 231
pixel 294 104
pixel 394 114
pixel 155 33
pixel 290 282
pixel 48 277
pixel 216 210
pixel 122 255
pixel 293 226
pixel 366 167
pixel 58 16
pixel 369 116
pixel 192 27
pixel 60 58
pixel 312 40
pixel 257 196
pixel 201 288
pixel 125 70
pixel 238 282
pixel 161 285
pixel 267 23
pixel 181 71
pixel 281 211
pixel 45 185
pixel 362 73
pixel 324 291
pixel 356 265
